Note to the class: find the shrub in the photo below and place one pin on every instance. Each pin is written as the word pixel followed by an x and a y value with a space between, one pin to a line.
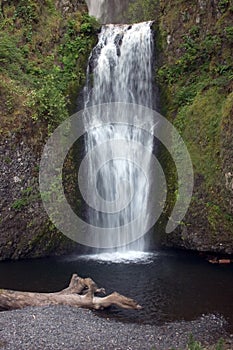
pixel 48 102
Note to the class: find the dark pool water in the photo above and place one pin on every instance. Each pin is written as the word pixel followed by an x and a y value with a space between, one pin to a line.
pixel 169 285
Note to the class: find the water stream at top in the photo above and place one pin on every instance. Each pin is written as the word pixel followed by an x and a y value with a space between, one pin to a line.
pixel 95 8
pixel 107 11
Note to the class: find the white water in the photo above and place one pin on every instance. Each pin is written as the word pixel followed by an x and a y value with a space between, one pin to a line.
pixel 120 70
pixel 96 8
pixel 127 257
pixel 107 11
pixel 122 62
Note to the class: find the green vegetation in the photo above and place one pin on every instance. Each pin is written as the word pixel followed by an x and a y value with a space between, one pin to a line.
pixel 223 5
pixel 27 197
pixel 195 345
pixel 19 203
pixel 195 78
pixel 42 59
pixel 142 10
pixel 198 60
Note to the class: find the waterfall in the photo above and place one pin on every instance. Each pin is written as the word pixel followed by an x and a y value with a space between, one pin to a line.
pixel 121 64
pixel 107 11
pixel 96 8
pixel 119 70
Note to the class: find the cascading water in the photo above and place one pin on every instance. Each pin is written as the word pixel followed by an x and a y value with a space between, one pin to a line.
pixel 95 7
pixel 107 11
pixel 120 70
pixel 121 65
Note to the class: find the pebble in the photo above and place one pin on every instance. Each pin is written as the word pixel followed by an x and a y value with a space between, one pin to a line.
pixel 67 328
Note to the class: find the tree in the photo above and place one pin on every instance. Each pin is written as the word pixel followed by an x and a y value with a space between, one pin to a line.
pixel 81 292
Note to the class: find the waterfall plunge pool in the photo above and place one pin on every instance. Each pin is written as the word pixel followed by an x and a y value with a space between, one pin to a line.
pixel 171 286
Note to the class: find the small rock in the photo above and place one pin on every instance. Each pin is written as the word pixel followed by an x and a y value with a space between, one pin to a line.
pixel 169 39
pixel 16 179
pixel 198 19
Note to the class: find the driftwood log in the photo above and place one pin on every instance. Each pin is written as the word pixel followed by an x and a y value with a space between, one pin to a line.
pixel 81 292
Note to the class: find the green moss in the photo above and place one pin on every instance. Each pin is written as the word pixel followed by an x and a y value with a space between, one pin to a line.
pixel 18 204
pixel 196 345
pixel 229 33
pixel 45 55
pixel 195 78
pixel 216 215
pixel 28 196
pixel 142 10
pixel 47 241
pixel 223 5
pixel 227 108
pixel 204 117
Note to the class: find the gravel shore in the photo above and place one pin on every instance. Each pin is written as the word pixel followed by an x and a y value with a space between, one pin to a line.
pixel 66 328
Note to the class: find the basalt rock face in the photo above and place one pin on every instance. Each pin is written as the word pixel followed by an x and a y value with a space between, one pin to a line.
pixel 36 69
pixel 25 230
pixel 195 78
pixel 67 6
